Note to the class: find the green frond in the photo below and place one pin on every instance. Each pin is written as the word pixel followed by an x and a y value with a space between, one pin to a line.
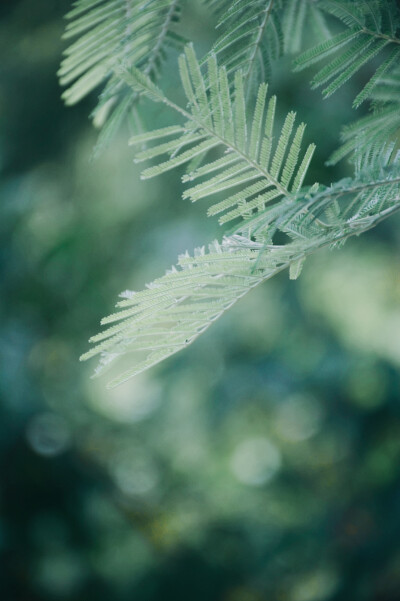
pixel 366 54
pixel 376 129
pixel 256 32
pixel 323 50
pixel 174 310
pixel 255 175
pixel 107 34
pixel 352 14
pixel 371 31
pixel 252 166
pixel 382 125
pixel 321 209
pixel 391 60
pixel 341 62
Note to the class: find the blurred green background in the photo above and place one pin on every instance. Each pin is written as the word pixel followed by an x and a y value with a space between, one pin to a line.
pixel 260 464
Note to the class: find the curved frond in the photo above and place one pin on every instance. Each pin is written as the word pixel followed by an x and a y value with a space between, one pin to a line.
pixel 251 37
pixel 380 127
pixel 256 32
pixel 372 32
pixel 257 165
pixel 174 310
pixel 108 33
pixel 254 179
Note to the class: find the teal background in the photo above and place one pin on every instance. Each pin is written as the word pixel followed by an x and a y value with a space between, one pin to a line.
pixel 260 464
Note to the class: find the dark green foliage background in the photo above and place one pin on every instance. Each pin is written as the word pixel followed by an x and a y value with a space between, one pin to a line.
pixel 147 491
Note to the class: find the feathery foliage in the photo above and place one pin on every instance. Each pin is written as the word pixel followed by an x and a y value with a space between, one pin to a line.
pixel 235 156
pixel 255 168
pixel 177 308
pixel 370 133
pixel 256 32
pixel 380 127
pixel 250 38
pixel 371 31
pixel 371 38
pixel 109 33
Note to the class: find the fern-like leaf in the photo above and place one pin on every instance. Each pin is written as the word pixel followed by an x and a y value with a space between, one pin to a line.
pixel 266 174
pixel 381 126
pixel 174 310
pixel 253 33
pixel 371 30
pixel 256 166
pixel 108 33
